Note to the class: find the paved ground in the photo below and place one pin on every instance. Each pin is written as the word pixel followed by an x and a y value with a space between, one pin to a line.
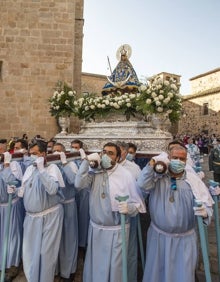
pixel 200 271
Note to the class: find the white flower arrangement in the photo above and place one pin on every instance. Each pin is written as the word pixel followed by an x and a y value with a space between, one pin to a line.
pixel 90 107
pixel 160 97
pixel 62 101
pixel 156 97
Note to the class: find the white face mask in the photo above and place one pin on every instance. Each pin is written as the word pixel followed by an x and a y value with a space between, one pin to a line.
pixel 56 153
pixel 33 157
pixel 20 151
pixel 74 150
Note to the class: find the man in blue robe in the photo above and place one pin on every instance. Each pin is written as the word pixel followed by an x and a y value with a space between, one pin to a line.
pixel 44 215
pixel 171 253
pixel 11 172
pixel 103 261
pixel 67 261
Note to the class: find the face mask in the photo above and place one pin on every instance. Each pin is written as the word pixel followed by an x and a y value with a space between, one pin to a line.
pixel 177 166
pixel 19 151
pixel 129 157
pixel 73 150
pixel 56 153
pixel 106 161
pixel 33 157
pixel 49 149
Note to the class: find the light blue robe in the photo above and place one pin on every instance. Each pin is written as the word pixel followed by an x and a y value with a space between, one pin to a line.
pixel 67 261
pixel 82 201
pixel 103 261
pixel 16 221
pixel 42 225
pixel 171 252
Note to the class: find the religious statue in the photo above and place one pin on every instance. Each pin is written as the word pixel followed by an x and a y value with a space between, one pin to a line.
pixel 124 77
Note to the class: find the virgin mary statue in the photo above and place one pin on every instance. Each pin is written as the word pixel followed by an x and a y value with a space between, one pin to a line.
pixel 124 77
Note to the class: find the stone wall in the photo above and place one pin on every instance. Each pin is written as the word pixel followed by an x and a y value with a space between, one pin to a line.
pixel 205 81
pixel 206 93
pixel 40 43
pixel 93 83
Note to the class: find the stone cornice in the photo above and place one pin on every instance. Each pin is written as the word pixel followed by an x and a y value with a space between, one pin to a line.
pixel 202 93
pixel 205 74
pixel 93 75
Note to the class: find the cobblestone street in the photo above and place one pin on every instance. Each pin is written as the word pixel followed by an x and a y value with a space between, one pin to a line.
pixel 200 271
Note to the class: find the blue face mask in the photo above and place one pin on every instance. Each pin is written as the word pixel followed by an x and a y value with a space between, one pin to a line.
pixel 130 157
pixel 33 157
pixel 106 161
pixel 73 150
pixel 177 166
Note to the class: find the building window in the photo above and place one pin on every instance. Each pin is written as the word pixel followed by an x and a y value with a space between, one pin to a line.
pixel 205 109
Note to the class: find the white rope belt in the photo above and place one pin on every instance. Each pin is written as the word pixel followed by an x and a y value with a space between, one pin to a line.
pixel 69 201
pixel 45 212
pixel 189 232
pixel 12 202
pixel 114 227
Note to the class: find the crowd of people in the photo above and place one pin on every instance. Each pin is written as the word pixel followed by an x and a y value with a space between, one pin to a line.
pixel 59 209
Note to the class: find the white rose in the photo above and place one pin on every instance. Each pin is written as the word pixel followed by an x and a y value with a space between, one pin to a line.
pixel 70 93
pixel 103 106
pixel 156 99
pixel 166 83
pixel 127 100
pixel 92 107
pixel 160 109
pixel 67 102
pixel 132 96
pixel 166 100
pixel 86 108
pixel 116 106
pixel 173 86
pixel 128 105
pixel 62 92
pixel 143 87
pixel 170 95
pixel 158 103
pixel 148 101
pixel 154 94
pixel 161 97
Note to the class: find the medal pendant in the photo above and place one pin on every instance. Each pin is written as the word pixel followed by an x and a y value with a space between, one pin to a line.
pixel 103 195
pixel 171 199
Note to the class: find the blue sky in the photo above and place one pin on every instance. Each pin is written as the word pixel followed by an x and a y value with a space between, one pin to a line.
pixel 176 36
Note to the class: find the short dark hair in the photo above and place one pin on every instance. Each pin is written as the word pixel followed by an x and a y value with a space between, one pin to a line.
pixel 118 150
pixel 77 141
pixel 24 143
pixel 3 141
pixel 61 145
pixel 132 145
pixel 42 145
